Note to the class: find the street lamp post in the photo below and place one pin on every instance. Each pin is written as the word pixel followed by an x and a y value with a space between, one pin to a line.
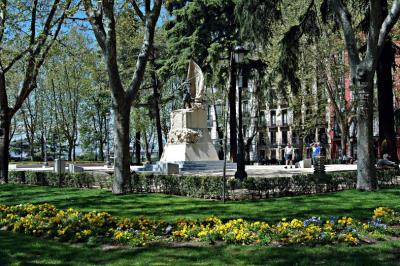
pixel 240 170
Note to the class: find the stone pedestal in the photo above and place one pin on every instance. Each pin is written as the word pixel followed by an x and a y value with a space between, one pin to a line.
pixel 306 163
pixel 168 168
pixel 189 139
pixel 59 166
pixel 75 168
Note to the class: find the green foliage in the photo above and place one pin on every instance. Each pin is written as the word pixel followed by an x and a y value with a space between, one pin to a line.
pixel 210 187
pixel 257 18
pixel 204 31
pixel 76 180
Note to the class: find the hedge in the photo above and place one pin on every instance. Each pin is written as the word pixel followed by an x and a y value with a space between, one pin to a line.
pixel 210 186
pixel 76 180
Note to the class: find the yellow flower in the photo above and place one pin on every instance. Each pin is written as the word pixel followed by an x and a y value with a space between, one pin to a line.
pixel 382 212
pixel 296 223
pixel 61 232
pixel 86 232
pixel 350 238
pixel 345 221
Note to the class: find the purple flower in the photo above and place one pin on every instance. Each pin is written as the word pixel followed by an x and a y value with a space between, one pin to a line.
pixel 333 219
pixel 377 224
pixel 312 220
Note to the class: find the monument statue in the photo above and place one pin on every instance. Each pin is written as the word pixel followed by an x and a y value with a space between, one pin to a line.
pixel 187 97
pixel 193 87
pixel 195 78
pixel 188 138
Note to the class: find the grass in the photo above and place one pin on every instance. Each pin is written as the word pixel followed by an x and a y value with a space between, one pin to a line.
pixel 355 203
pixel 17 249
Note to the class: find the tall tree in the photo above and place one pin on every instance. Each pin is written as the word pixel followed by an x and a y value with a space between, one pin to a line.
pixel 45 23
pixel 103 22
pixel 385 94
pixel 362 69
pixel 30 116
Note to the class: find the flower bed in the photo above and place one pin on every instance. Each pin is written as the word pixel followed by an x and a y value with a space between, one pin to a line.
pixel 72 225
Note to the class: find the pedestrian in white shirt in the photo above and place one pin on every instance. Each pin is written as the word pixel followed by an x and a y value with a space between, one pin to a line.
pixel 289 151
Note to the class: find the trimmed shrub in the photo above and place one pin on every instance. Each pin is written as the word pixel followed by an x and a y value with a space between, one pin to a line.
pixel 210 187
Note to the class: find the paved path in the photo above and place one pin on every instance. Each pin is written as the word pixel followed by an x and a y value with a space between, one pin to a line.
pixel 252 170
pixel 275 170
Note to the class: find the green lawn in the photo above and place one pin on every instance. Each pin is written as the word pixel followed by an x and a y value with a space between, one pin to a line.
pixel 25 250
pixel 357 204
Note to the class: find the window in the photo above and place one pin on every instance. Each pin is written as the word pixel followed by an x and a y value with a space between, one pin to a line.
pixel 284 117
pixel 262 118
pixel 273 118
pixel 262 138
pixel 273 137
pixel 245 108
pixel 262 155
pixel 244 130
pixel 294 138
pixel 284 137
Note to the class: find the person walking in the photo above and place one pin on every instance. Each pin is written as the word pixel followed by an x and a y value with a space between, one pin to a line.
pixel 316 151
pixel 289 151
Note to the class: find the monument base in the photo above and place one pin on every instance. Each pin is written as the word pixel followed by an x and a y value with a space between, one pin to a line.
pixel 160 167
pixel 204 165
pixel 189 139
pixel 190 152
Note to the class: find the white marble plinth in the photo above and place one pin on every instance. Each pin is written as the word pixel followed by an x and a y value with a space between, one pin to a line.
pixel 189 139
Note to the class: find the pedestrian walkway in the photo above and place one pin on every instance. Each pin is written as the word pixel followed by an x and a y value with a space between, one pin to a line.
pixel 252 170
pixel 275 170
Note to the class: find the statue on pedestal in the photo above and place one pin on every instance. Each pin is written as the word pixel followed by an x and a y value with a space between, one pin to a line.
pixel 188 138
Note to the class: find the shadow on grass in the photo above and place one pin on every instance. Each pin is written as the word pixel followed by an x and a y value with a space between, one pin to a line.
pixel 352 203
pixel 25 250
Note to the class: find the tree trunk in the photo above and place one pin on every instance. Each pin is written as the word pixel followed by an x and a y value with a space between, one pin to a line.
pixel 32 151
pixel 247 147
pixel 45 160
pixel 232 110
pixel 95 153
pixel 121 148
pixel 101 152
pixel 385 101
pixel 366 174
pixel 146 147
pixel 302 151
pixel 70 151
pixel 5 123
pixel 42 146
pixel 156 95
pixel 343 138
pixel 137 148
pixel 73 151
